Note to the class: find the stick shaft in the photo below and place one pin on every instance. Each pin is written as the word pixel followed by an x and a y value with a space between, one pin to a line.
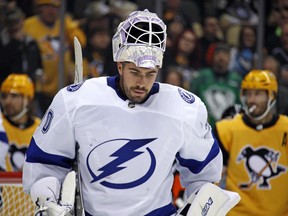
pixel 78 61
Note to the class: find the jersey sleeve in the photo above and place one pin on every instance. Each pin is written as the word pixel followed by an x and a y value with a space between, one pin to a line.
pixel 199 159
pixel 224 133
pixel 224 138
pixel 52 148
pixel 4 146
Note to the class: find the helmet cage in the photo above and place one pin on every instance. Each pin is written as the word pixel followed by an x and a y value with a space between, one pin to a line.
pixel 140 39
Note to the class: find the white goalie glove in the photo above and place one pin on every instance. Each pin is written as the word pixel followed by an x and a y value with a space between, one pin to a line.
pixel 210 200
pixel 49 201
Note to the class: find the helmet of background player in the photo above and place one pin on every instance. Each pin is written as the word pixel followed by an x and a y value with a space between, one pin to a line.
pixel 140 39
pixel 261 80
pixel 55 3
pixel 19 84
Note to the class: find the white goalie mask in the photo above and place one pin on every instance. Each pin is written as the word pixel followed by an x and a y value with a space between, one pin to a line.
pixel 140 39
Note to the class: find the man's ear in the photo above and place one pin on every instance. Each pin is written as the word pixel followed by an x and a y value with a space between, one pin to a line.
pixel 120 67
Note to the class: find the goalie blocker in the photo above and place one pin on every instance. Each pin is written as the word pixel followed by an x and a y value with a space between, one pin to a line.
pixel 50 202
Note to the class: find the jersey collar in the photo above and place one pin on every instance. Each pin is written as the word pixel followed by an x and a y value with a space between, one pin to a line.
pixel 113 82
pixel 260 126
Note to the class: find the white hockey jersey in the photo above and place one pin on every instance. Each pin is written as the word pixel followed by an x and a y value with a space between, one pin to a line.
pixel 4 146
pixel 126 150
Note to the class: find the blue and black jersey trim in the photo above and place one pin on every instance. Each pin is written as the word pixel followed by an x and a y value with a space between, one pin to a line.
pixel 36 155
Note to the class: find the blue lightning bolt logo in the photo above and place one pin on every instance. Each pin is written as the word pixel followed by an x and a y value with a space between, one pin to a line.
pixel 124 154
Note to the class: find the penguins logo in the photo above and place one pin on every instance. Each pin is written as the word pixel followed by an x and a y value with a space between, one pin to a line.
pixel 261 165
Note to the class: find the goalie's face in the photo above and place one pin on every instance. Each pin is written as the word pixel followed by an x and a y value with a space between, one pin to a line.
pixel 136 82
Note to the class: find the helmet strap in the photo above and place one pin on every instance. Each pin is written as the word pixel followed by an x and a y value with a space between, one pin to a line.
pixel 270 104
pixel 23 111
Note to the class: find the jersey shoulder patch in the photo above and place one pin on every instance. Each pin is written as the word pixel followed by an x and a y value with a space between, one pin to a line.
pixel 186 96
pixel 74 87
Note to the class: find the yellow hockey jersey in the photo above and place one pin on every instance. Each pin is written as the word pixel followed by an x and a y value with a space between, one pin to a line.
pixel 257 165
pixel 48 39
pixel 19 140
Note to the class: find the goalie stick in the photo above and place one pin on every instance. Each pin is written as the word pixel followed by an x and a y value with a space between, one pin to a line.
pixel 78 77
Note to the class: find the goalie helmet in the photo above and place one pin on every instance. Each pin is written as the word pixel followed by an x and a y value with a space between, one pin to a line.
pixel 261 80
pixel 140 39
pixel 18 84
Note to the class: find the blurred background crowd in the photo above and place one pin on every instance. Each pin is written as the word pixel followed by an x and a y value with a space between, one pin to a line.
pixel 211 45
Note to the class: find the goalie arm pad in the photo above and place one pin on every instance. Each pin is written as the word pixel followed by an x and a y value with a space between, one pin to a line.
pixel 46 195
pixel 210 200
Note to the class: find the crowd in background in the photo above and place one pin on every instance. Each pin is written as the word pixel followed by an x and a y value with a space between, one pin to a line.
pixel 211 46
pixel 31 34
pixel 212 41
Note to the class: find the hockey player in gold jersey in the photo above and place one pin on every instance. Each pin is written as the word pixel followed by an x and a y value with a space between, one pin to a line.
pixel 255 149
pixel 17 92
pixel 44 27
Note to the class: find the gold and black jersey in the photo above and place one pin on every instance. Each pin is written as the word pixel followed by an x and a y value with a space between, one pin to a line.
pixel 257 164
pixel 19 139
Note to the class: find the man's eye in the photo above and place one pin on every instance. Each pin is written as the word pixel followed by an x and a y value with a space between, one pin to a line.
pixel 135 73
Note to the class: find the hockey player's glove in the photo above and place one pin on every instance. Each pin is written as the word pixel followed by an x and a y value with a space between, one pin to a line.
pixel 210 200
pixel 55 204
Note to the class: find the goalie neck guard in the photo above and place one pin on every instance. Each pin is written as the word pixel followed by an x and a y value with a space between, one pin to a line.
pixel 140 39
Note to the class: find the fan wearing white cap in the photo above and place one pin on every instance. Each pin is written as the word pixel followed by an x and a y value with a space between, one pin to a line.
pixel 129 131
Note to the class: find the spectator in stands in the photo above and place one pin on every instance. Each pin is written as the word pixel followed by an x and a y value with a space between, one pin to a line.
pixel 17 93
pixel 236 14
pixel 270 63
pixel 212 34
pixel 174 28
pixel 186 53
pixel 97 15
pixel 175 76
pixel 281 52
pixel 282 99
pixel 19 52
pixel 255 149
pixel 186 9
pixel 272 28
pixel 244 55
pixel 96 53
pixel 217 86
pixel 45 29
pixel 277 17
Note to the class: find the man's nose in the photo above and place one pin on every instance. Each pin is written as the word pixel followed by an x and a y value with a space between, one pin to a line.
pixel 251 98
pixel 141 81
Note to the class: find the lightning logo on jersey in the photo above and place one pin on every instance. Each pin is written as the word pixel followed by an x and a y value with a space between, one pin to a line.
pixel 121 156
pixel 186 96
